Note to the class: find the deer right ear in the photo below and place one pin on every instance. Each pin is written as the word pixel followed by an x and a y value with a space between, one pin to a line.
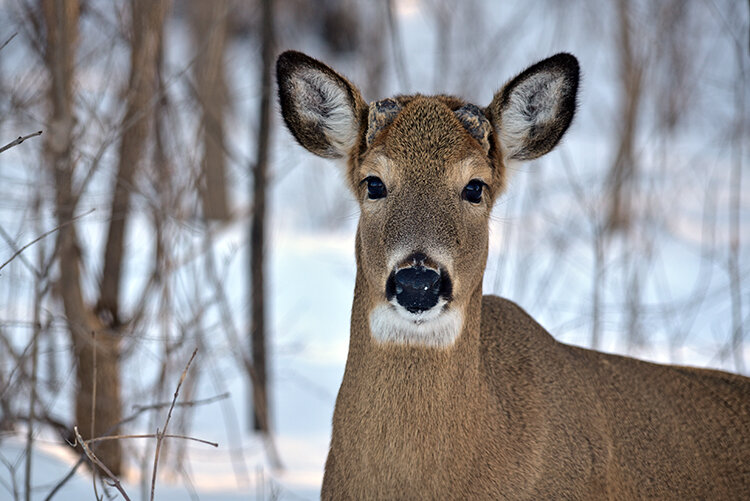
pixel 320 107
pixel 533 111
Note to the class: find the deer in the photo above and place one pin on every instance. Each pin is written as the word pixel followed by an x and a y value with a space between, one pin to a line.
pixel 450 394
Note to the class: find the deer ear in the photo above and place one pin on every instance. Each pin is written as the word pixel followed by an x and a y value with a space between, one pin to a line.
pixel 533 111
pixel 320 107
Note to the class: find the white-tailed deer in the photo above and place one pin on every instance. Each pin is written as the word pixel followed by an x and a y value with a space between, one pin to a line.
pixel 449 394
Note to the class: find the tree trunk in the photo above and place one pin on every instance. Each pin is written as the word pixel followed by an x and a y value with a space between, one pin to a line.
pixel 147 25
pixel 90 341
pixel 257 228
pixel 209 25
pixel 623 171
pixel 148 19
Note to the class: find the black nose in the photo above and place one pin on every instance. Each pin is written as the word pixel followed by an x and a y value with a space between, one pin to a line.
pixel 417 288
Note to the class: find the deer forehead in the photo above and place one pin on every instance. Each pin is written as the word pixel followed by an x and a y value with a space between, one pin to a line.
pixel 426 141
pixel 427 130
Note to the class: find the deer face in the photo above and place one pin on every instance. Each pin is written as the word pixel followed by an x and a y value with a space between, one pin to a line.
pixel 425 187
pixel 426 172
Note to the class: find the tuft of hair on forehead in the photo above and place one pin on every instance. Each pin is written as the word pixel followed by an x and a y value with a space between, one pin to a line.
pixel 476 124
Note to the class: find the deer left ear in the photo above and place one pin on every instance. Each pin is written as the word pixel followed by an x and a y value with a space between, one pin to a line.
pixel 533 111
pixel 320 107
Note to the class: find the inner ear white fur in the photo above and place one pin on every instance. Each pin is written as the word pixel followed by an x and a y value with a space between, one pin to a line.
pixel 321 100
pixel 533 103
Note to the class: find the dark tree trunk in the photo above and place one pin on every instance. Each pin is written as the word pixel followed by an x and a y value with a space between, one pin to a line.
pixel 257 229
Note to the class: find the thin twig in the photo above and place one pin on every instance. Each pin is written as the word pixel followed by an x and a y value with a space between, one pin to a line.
pixel 92 457
pixel 12 244
pixel 191 403
pixel 151 435
pixel 93 391
pixel 53 230
pixel 160 434
pixel 92 433
pixel 8 40
pixel 19 140
pixel 33 397
pixel 64 479
pixel 13 487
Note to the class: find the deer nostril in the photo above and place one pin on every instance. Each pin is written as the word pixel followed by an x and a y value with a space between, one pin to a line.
pixel 417 288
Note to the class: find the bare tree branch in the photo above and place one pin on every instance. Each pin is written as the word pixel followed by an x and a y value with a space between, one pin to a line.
pixel 19 140
pixel 40 237
pixel 151 435
pixel 160 435
pixel 193 403
pixel 8 40
pixel 38 293
pixel 92 457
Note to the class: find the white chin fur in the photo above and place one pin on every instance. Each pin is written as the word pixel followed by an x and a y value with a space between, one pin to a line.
pixel 437 327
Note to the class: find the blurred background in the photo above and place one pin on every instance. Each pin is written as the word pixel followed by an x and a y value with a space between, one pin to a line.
pixel 164 209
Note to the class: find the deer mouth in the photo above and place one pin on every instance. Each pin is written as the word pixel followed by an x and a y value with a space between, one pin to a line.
pixel 437 327
pixel 419 316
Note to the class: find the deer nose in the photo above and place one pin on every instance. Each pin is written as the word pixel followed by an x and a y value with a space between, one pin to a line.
pixel 417 288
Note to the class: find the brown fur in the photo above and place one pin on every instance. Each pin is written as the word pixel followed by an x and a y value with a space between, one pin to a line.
pixel 512 414
pixel 506 412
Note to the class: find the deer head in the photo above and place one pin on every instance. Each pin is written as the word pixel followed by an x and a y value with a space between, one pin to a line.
pixel 426 172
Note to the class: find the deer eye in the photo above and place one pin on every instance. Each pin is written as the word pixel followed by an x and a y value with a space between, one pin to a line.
pixel 472 192
pixel 375 188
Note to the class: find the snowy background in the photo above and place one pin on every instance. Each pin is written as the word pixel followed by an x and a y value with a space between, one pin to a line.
pixel 662 290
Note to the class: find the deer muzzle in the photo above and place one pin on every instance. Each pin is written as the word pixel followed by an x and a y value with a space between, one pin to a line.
pixel 418 284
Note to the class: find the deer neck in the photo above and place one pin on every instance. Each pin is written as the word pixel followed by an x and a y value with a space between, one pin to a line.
pixel 402 412
pixel 411 387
